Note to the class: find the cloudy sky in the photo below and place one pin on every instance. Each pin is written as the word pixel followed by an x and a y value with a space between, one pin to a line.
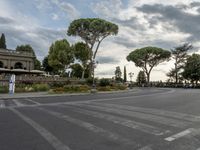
pixel 160 23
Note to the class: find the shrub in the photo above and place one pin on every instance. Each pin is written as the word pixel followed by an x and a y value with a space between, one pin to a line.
pixel 104 82
pixel 104 88
pixel 89 81
pixel 40 87
pixel 76 88
pixel 59 84
pixel 119 87
pixel 122 87
pixel 58 90
pixel 4 89
pixel 84 88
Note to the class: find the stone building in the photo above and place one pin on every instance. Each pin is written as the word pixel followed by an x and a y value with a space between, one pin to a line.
pixel 12 61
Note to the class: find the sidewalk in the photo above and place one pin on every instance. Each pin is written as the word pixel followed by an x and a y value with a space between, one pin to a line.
pixel 46 94
pixel 36 94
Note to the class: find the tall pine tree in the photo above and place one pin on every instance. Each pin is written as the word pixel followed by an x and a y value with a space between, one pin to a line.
pixel 3 41
pixel 125 75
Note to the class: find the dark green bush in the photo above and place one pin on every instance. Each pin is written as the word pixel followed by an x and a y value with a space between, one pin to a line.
pixel 89 81
pixel 59 84
pixel 104 82
pixel 76 88
pixel 104 88
pixel 40 87
pixel 4 89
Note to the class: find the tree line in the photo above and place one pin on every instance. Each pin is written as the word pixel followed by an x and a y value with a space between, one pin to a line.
pixel 81 56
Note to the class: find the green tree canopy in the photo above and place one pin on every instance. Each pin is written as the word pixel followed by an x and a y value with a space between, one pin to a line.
pixel 29 49
pixel 3 41
pixel 148 57
pixel 46 66
pixel 141 78
pixel 60 55
pixel 93 31
pixel 179 54
pixel 118 74
pixel 192 68
pixel 26 48
pixel 82 53
pixel 77 70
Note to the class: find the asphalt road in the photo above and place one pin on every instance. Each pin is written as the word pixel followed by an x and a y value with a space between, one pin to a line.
pixel 144 119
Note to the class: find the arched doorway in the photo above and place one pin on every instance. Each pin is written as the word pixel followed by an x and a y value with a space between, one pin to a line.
pixel 1 64
pixel 18 65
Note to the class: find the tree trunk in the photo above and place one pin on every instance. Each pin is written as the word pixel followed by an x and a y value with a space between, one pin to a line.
pixel 176 73
pixel 148 78
pixel 83 73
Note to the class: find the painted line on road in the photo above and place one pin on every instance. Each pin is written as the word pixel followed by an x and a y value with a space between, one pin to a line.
pixel 18 103
pixel 54 141
pixel 32 101
pixel 149 117
pixel 2 104
pixel 148 147
pixel 121 121
pixel 92 100
pixel 91 127
pixel 157 112
pixel 179 135
pixel 126 97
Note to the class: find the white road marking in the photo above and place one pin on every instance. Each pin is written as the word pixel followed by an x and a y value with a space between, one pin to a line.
pixel 18 103
pixel 176 115
pixel 91 127
pixel 149 117
pixel 32 101
pixel 2 104
pixel 122 121
pixel 52 140
pixel 148 147
pixel 179 135
pixel 126 97
pixel 92 100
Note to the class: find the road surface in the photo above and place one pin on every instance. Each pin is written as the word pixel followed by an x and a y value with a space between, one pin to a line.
pixel 142 119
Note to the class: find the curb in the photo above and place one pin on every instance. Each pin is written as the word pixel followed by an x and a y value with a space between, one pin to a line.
pixel 45 94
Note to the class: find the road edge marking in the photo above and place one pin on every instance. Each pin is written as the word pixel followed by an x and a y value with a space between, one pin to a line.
pixel 179 135
pixel 48 136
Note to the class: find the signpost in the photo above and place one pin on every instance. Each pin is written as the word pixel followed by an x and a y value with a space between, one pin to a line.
pixel 12 84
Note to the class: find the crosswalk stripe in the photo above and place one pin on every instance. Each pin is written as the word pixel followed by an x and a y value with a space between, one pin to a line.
pixel 148 147
pixel 17 102
pixel 122 121
pixel 2 104
pixel 179 135
pixel 52 140
pixel 32 101
pixel 171 114
pixel 149 117
pixel 91 127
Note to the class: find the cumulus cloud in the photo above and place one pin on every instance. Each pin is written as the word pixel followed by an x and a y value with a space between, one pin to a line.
pixel 107 60
pixel 165 24
pixel 38 37
pixel 71 11
pixel 184 22
pixel 64 9
pixel 142 23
